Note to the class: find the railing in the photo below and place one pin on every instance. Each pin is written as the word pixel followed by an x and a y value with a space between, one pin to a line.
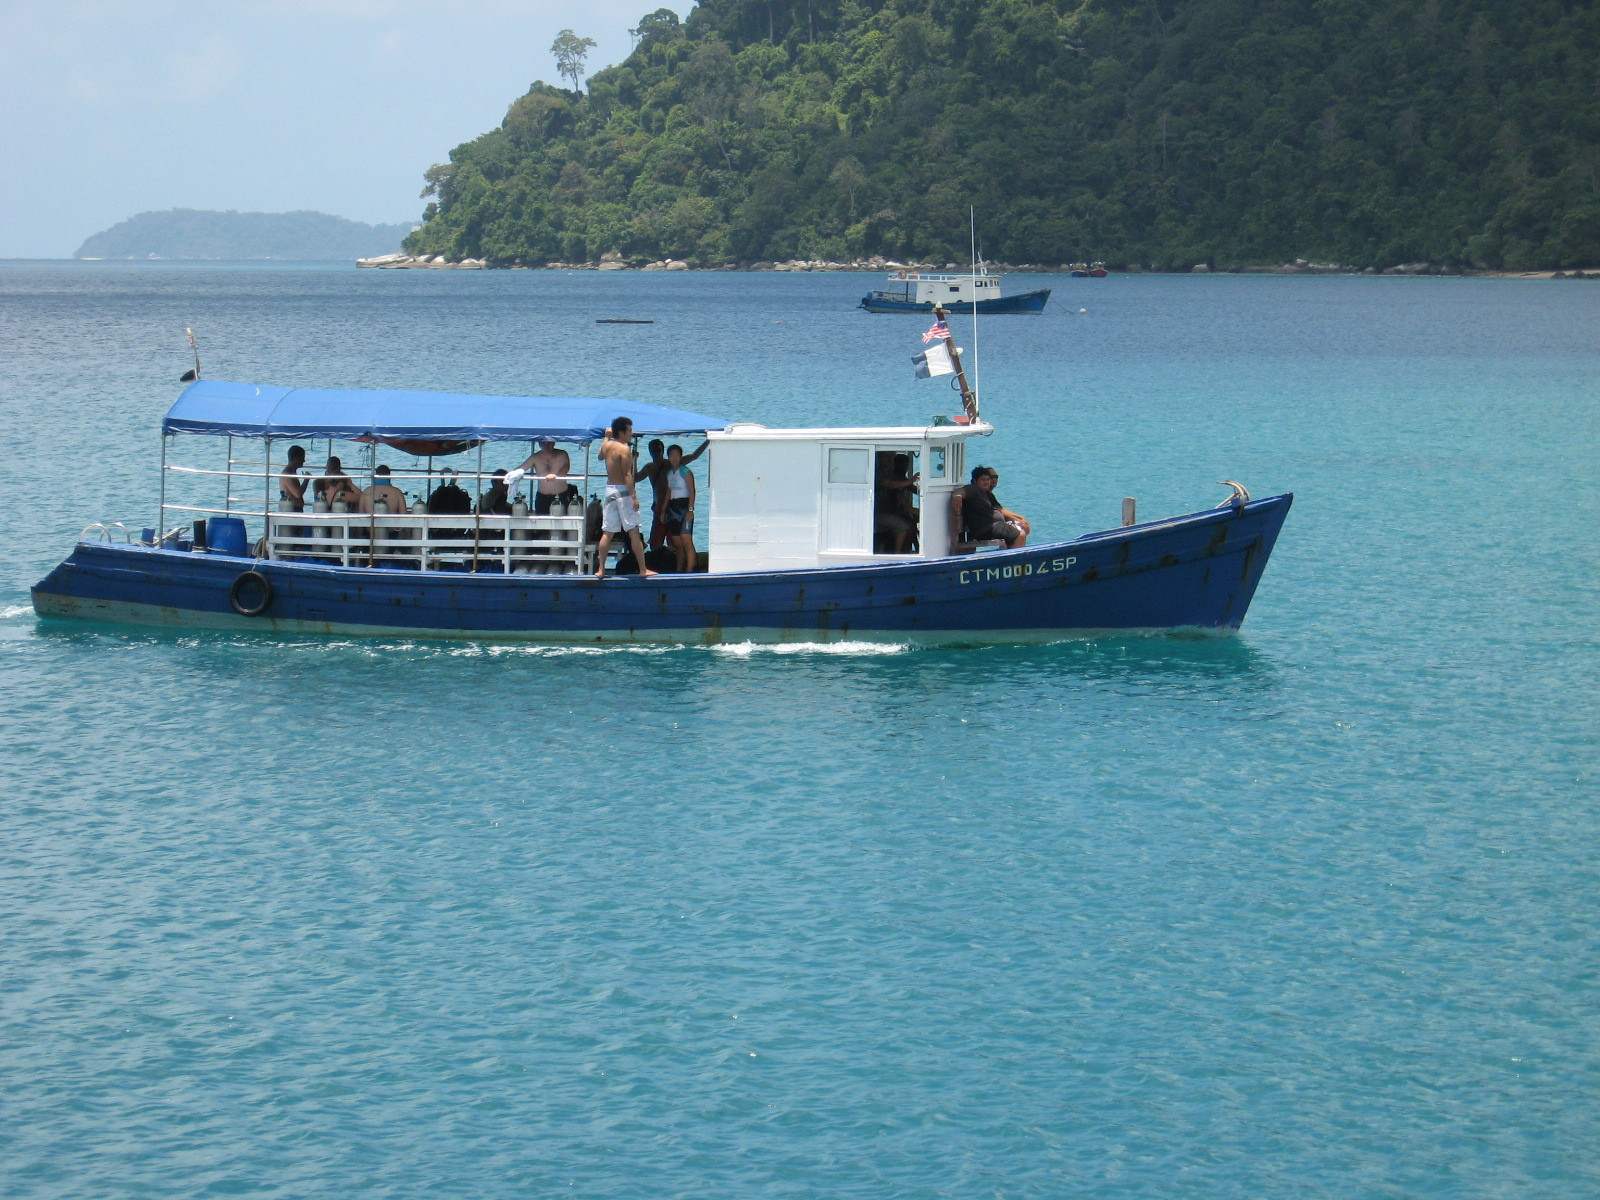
pixel 532 545
pixel 108 531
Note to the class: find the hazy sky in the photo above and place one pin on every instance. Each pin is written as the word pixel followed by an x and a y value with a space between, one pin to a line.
pixel 110 108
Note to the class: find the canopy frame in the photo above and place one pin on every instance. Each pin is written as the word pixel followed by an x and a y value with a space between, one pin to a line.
pixel 264 411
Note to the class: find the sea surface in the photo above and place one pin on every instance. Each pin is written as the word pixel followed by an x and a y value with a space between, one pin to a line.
pixel 1306 912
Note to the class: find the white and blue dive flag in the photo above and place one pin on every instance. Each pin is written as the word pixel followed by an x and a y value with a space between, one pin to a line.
pixel 935 360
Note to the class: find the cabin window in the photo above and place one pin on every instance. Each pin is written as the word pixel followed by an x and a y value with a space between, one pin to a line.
pixel 849 465
pixel 955 289
pixel 936 457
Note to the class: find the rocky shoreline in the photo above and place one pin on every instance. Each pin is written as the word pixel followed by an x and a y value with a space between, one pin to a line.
pixel 878 265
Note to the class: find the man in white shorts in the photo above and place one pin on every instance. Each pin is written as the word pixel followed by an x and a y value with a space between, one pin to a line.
pixel 622 499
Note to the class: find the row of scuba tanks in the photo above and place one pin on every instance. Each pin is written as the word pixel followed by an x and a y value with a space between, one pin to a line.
pixel 559 507
pixel 573 507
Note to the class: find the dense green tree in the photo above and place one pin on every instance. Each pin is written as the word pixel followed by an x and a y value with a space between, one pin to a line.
pixel 1164 132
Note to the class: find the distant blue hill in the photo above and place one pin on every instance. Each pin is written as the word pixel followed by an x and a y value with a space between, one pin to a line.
pixel 195 233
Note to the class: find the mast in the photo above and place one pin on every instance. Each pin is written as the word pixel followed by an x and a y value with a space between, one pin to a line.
pixel 969 399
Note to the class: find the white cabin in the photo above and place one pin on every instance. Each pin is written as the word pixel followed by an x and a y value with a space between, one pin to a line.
pixel 789 499
pixel 922 287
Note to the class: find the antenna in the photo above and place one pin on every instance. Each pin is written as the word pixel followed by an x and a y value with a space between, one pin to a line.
pixel 972 219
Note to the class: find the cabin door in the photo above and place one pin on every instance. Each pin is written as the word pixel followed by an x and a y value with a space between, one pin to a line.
pixel 847 498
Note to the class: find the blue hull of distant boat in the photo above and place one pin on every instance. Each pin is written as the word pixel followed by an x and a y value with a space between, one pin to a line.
pixel 1023 302
pixel 1193 572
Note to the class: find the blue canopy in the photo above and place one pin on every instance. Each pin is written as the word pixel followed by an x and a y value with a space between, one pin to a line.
pixel 265 411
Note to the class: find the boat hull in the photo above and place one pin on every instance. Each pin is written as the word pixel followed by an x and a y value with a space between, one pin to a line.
pixel 1022 302
pixel 1197 572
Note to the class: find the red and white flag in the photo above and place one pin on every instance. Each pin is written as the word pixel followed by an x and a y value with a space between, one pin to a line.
pixel 939 330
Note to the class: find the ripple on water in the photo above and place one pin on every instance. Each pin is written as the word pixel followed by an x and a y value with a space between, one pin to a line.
pixel 1306 911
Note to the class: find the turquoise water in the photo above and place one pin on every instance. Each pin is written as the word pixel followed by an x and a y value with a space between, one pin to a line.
pixel 1306 912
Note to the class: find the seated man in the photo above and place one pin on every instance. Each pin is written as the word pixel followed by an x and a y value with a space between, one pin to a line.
pixel 977 516
pixel 335 485
pixel 496 501
pixel 382 489
pixel 449 496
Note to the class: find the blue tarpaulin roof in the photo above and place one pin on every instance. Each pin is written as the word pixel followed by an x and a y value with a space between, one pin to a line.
pixel 262 410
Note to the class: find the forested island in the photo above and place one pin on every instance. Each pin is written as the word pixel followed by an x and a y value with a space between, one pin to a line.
pixel 1150 132
pixel 196 233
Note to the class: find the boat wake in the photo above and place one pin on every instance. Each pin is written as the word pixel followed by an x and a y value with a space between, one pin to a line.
pixel 863 649
pixel 15 610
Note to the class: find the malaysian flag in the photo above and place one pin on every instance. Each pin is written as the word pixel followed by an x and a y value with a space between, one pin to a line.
pixel 939 330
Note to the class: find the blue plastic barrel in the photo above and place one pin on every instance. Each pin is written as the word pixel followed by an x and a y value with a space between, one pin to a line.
pixel 227 536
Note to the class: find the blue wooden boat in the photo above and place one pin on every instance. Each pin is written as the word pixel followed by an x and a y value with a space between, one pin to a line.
pixel 1197 572
pixel 976 291
pixel 796 549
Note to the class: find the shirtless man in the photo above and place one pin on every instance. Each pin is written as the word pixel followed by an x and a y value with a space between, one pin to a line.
pixel 335 485
pixel 551 467
pixel 292 484
pixel 622 498
pixel 382 489
pixel 656 472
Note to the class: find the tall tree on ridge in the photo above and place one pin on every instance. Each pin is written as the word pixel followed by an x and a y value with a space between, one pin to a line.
pixel 571 51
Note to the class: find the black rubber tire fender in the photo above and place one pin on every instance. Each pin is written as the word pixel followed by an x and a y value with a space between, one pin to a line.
pixel 251 594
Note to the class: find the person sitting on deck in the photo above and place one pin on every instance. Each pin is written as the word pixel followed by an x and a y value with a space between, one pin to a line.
pixel 449 496
pixel 382 489
pixel 334 485
pixel 496 501
pixel 291 484
pixel 977 516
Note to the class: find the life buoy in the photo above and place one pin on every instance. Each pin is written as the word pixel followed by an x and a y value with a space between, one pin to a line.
pixel 251 594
